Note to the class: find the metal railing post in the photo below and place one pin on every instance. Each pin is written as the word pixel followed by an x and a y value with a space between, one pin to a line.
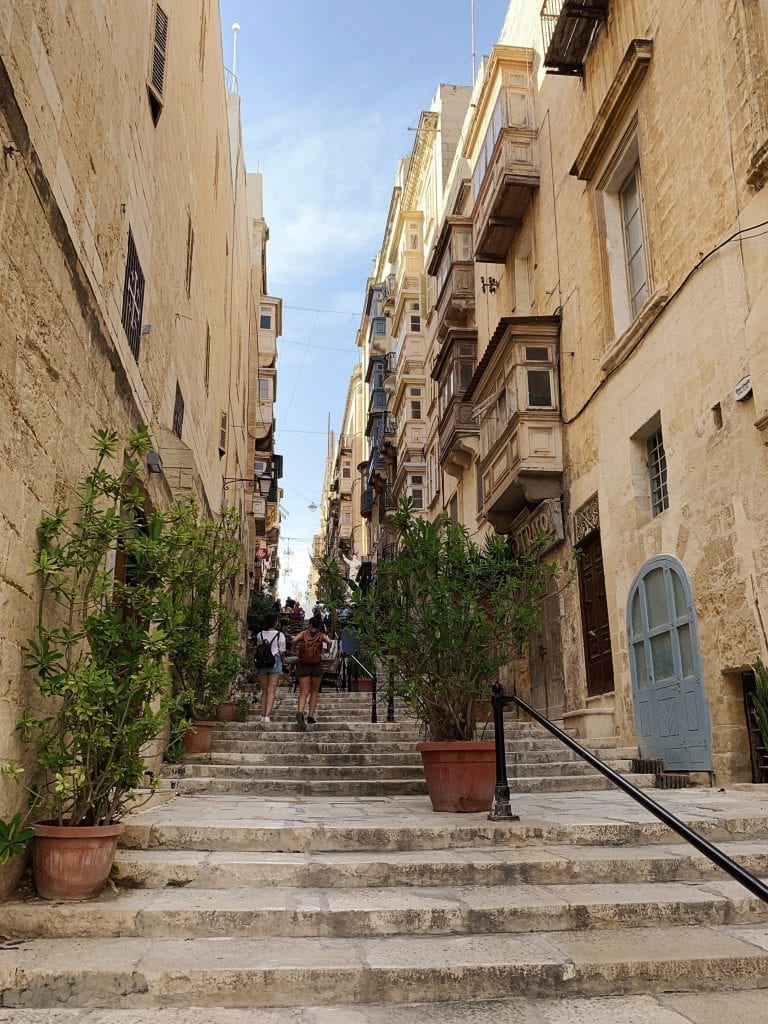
pixel 502 808
pixel 374 695
pixel 390 702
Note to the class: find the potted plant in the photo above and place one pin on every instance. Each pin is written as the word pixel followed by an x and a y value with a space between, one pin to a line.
pixel 206 658
pixel 445 614
pixel 106 618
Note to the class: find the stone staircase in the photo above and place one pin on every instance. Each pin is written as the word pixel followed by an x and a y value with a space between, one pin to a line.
pixel 274 905
pixel 345 754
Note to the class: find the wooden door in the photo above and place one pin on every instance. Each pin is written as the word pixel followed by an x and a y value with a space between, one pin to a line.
pixel 594 617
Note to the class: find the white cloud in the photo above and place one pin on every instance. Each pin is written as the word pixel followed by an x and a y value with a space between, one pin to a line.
pixel 328 175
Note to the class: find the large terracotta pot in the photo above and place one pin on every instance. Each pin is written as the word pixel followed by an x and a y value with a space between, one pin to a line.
pixel 361 686
pixel 227 711
pixel 197 739
pixel 461 775
pixel 73 863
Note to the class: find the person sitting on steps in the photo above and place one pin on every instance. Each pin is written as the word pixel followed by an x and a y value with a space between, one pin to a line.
pixel 310 644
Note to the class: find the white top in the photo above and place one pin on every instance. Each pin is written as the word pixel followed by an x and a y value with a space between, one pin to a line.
pixel 270 635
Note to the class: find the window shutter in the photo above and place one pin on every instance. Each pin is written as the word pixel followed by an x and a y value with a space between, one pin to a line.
pixel 159 51
pixel 223 434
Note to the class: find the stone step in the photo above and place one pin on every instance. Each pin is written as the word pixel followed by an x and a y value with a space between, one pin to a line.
pixel 275 757
pixel 387 785
pixel 342 730
pixel 550 865
pixel 326 767
pixel 299 740
pixel 663 1008
pixel 251 972
pixel 364 913
pixel 312 786
pixel 309 744
pixel 316 770
pixel 184 825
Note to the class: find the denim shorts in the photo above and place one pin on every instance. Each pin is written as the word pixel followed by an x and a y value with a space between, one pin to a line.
pixel 276 669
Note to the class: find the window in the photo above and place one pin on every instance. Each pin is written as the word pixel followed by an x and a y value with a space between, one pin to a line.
pixel 626 244
pixel 346 470
pixel 223 434
pixel 539 389
pixel 463 243
pixel 415 408
pixel 178 412
pixel 156 83
pixel 265 389
pixel 133 298
pixel 346 516
pixel 657 470
pixel 413 236
pixel 634 243
pixel 453 508
pixel 415 323
pixel 417 491
pixel 207 371
pixel 190 252
pixel 265 318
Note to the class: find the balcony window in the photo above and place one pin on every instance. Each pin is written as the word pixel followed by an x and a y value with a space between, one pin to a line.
pixel 417 491
pixel 379 326
pixel 265 318
pixel 539 389
pixel 511 109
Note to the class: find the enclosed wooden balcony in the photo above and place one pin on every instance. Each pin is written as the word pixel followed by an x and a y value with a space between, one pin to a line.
pixel 366 502
pixel 568 28
pixel 521 444
pixel 458 433
pixel 504 188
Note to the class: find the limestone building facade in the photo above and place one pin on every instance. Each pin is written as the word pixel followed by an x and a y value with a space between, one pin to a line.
pixel 594 325
pixel 126 276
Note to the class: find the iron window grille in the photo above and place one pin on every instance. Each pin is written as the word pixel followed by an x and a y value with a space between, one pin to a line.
pixel 657 468
pixel 133 298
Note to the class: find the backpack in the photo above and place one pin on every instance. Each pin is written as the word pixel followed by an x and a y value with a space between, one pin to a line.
pixel 264 656
pixel 311 648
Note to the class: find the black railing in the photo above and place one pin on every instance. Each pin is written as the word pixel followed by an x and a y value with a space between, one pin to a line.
pixel 353 666
pixel 502 809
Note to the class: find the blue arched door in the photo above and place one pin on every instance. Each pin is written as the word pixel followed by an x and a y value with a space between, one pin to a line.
pixel 671 713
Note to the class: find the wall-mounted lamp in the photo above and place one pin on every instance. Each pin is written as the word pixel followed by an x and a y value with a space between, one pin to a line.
pixel 489 284
pixel 154 462
pixel 264 483
pixel 146 329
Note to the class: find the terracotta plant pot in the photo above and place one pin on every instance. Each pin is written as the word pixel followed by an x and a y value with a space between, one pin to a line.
pixel 73 863
pixel 461 775
pixel 227 711
pixel 197 739
pixel 361 686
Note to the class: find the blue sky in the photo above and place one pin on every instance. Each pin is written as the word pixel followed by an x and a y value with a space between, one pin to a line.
pixel 329 90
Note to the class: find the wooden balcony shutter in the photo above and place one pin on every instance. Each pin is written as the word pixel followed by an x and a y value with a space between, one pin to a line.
pixel 223 434
pixel 156 83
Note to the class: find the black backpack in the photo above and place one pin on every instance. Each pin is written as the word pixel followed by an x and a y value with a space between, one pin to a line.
pixel 264 656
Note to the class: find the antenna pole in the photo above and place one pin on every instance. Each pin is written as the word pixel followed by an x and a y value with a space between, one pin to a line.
pixel 235 30
pixel 474 48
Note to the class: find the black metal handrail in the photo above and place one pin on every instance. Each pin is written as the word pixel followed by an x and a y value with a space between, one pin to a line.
pixel 502 810
pixel 375 691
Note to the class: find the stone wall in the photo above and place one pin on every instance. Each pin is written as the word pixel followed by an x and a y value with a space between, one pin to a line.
pixel 85 163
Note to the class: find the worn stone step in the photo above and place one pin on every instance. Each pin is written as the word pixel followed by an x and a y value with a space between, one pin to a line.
pixel 313 786
pixel 309 743
pixel 545 865
pixel 662 1008
pixel 349 913
pixel 527 769
pixel 338 730
pixel 258 826
pixel 275 757
pixel 251 972
pixel 316 770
